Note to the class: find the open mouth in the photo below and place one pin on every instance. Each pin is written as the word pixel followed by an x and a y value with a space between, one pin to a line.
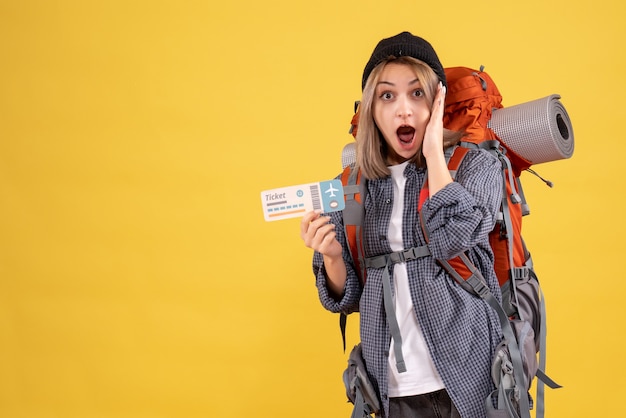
pixel 406 134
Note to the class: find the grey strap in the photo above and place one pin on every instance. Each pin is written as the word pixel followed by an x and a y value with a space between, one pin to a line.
pixel 388 261
pixel 394 328
pixel 508 224
pixel 542 378
pixel 359 403
pixel 351 189
pixel 516 357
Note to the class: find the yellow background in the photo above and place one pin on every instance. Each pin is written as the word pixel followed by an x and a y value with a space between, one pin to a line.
pixel 138 277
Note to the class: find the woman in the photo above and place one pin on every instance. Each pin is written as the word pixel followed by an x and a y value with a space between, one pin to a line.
pixel 446 336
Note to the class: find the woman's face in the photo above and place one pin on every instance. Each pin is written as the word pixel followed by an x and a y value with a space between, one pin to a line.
pixel 401 111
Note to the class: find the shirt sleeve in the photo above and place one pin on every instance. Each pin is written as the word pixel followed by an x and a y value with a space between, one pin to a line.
pixel 349 301
pixel 463 213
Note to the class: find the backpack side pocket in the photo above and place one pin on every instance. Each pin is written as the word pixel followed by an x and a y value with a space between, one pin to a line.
pixel 359 390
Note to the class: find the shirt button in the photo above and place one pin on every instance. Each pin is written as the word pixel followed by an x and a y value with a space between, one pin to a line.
pixel 388 201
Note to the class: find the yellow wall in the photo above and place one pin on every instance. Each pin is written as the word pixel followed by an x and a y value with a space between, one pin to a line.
pixel 138 277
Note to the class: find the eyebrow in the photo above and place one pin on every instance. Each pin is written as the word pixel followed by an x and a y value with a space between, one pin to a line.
pixel 389 83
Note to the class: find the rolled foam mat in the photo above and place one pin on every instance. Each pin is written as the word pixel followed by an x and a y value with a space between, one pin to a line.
pixel 539 130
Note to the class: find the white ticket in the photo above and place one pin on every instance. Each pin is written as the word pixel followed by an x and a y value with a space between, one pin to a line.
pixel 294 201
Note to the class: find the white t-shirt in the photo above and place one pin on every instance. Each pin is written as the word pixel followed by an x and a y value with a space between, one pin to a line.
pixel 421 375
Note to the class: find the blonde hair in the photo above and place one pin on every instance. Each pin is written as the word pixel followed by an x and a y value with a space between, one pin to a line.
pixel 371 148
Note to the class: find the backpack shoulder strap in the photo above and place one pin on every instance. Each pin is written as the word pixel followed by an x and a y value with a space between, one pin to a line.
pixel 354 195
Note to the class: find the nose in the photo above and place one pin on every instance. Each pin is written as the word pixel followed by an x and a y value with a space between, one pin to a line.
pixel 404 109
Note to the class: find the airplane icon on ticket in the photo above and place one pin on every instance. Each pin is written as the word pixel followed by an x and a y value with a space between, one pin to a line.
pixel 331 190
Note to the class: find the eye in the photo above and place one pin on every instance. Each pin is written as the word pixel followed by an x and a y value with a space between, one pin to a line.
pixel 386 95
pixel 418 93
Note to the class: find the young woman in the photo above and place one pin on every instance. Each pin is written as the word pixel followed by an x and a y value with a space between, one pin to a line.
pixel 446 335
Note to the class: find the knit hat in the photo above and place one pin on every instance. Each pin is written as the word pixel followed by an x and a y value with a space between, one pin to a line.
pixel 404 45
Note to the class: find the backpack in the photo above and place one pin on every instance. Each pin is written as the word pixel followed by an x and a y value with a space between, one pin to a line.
pixel 471 100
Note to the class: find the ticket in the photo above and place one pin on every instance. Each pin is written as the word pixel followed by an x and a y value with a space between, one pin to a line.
pixel 294 201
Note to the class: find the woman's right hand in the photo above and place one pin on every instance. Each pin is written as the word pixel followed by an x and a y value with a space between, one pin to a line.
pixel 319 235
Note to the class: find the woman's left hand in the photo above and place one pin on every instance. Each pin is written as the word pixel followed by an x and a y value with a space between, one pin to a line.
pixel 433 137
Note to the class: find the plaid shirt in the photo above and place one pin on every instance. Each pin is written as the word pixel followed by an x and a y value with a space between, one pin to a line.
pixel 460 329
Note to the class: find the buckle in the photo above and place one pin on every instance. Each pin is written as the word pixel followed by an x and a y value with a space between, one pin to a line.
pixel 520 273
pixel 397 257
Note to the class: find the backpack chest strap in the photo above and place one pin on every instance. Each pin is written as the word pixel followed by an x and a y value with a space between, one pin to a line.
pixel 396 257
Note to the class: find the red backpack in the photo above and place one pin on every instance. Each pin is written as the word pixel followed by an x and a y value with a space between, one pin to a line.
pixel 471 98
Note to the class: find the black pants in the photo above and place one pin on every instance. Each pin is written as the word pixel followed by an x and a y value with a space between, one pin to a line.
pixel 429 405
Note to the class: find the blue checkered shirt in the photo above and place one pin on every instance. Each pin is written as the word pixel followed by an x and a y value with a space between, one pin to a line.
pixel 460 329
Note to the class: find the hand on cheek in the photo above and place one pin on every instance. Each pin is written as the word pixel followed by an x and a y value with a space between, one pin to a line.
pixel 433 137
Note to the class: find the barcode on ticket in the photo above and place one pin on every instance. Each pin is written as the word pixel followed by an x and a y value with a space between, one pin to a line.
pixel 315 196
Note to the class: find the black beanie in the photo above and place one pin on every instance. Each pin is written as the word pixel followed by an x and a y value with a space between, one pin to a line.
pixel 404 45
